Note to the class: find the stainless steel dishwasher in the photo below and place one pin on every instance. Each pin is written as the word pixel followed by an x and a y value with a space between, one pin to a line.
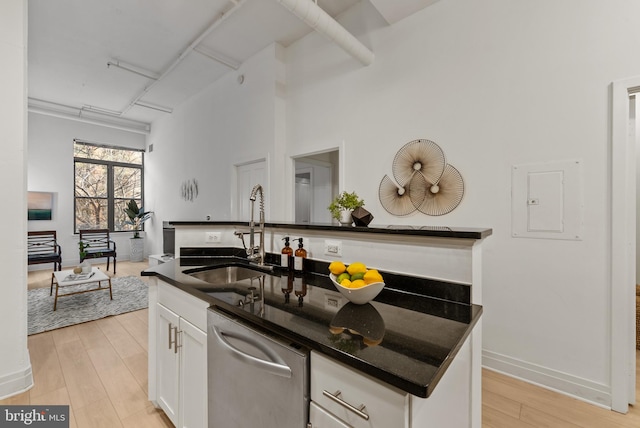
pixel 255 379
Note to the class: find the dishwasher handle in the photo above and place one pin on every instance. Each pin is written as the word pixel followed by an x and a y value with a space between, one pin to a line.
pixel 278 368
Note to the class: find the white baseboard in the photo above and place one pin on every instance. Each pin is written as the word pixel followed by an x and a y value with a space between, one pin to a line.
pixel 576 387
pixel 16 383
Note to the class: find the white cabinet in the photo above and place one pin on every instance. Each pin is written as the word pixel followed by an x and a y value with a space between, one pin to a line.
pixel 354 398
pixel 178 355
pixel 320 418
pixel 167 362
pixel 193 374
pixel 344 397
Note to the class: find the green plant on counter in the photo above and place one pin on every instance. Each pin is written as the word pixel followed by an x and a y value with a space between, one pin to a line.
pixel 345 201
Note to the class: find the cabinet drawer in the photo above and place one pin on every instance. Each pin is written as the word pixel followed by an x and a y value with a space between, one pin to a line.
pixel 320 418
pixel 184 304
pixel 383 405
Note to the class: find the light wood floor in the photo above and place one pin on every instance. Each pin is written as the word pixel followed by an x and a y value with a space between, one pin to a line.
pixel 99 368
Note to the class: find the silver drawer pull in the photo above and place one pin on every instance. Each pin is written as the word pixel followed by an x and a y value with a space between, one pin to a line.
pixel 336 397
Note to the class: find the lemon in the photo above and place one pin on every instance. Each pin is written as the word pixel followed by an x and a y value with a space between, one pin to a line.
pixel 358 283
pixel 372 276
pixel 357 275
pixel 346 283
pixel 342 277
pixel 356 268
pixel 337 267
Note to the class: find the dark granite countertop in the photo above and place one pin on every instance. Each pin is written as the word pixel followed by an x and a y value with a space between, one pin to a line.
pixel 403 338
pixel 434 231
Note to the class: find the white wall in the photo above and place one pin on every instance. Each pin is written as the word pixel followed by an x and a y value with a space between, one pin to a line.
pixel 226 125
pixel 51 170
pixel 494 83
pixel 15 367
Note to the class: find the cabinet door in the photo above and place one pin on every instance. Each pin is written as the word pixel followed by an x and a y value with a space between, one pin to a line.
pixel 320 418
pixel 355 398
pixel 193 375
pixel 167 362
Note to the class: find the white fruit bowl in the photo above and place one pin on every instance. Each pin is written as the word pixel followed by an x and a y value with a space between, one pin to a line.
pixel 361 295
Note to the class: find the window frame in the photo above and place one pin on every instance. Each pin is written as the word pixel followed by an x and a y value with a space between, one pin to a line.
pixel 110 165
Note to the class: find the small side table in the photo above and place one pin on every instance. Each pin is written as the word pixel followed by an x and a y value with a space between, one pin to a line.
pixel 58 279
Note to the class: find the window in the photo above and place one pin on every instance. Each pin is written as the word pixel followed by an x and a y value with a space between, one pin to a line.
pixel 106 178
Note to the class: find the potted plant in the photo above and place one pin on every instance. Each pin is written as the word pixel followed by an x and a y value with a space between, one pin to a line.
pixel 84 266
pixel 137 216
pixel 343 205
pixel 82 249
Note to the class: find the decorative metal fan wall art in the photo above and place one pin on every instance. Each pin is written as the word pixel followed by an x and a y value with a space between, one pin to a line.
pixel 423 181
pixel 422 156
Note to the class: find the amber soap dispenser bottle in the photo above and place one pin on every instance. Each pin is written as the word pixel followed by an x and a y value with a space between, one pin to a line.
pixel 287 254
pixel 299 256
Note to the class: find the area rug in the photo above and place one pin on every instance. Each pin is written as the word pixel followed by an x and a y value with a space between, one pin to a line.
pixel 130 293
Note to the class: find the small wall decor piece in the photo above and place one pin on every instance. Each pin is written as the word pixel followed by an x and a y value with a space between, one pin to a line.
pixel 39 205
pixel 190 189
pixel 423 181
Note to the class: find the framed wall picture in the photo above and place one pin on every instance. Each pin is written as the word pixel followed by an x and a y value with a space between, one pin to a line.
pixel 39 205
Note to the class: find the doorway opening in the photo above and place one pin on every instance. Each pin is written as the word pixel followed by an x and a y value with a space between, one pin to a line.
pixel 623 243
pixel 316 178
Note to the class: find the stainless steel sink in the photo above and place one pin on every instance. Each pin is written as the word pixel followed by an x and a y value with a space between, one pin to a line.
pixel 226 275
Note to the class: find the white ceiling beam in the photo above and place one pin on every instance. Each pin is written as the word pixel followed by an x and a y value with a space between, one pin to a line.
pixel 315 17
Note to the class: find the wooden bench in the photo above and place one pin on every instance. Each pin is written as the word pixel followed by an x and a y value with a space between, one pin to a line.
pixel 42 247
pixel 98 245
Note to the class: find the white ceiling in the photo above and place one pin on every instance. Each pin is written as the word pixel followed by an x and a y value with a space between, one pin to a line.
pixel 71 43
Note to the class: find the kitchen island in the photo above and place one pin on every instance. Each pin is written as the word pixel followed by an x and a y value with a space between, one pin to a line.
pixel 418 334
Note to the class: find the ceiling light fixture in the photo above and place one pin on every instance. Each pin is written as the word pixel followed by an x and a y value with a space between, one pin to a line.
pixel 154 107
pixel 63 111
pixel 100 110
pixel 133 69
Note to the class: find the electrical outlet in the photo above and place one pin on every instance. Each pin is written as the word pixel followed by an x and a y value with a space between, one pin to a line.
pixel 213 236
pixel 332 302
pixel 332 248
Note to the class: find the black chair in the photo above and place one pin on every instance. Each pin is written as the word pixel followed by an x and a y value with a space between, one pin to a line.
pixel 98 245
pixel 42 247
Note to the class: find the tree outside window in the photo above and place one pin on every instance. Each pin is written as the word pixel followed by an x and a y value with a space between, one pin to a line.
pixel 106 178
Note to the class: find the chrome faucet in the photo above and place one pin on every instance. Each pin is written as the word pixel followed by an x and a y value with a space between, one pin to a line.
pixel 256 253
